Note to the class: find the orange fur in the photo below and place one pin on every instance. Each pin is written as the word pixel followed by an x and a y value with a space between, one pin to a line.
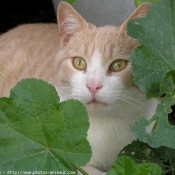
pixel 27 51
pixel 30 50
pixel 46 51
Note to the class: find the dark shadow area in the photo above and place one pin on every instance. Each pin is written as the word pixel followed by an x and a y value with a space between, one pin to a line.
pixel 171 116
pixel 14 13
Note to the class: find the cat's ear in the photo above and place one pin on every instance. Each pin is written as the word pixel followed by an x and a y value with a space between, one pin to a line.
pixel 69 22
pixel 140 12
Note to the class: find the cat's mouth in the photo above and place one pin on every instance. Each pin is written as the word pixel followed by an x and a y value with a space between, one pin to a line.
pixel 96 103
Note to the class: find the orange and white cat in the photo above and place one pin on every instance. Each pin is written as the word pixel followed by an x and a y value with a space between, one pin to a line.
pixel 83 62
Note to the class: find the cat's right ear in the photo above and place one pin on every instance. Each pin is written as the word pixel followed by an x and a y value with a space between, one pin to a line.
pixel 69 22
pixel 140 12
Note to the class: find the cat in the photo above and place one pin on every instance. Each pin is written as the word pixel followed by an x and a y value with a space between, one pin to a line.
pixel 83 62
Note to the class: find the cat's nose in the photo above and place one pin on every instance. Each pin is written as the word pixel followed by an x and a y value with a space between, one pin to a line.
pixel 94 87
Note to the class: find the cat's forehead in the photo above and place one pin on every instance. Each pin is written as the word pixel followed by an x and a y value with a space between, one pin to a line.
pixel 102 38
pixel 111 42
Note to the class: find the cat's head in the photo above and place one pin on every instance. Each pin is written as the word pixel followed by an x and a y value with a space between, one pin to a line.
pixel 94 63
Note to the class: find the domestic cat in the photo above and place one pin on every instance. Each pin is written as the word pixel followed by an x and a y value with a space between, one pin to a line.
pixel 83 62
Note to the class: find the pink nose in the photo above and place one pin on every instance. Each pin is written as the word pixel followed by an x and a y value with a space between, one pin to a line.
pixel 94 87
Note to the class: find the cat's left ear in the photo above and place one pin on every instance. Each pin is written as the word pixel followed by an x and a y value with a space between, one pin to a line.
pixel 140 12
pixel 69 22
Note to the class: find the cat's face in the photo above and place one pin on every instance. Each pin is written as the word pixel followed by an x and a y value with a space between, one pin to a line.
pixel 94 67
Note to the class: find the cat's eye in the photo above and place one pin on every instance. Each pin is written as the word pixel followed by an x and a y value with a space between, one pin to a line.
pixel 79 63
pixel 118 65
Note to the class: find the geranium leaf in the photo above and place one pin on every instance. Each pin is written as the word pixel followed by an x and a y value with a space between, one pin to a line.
pixel 39 133
pixel 163 134
pixel 141 152
pixel 126 166
pixel 156 55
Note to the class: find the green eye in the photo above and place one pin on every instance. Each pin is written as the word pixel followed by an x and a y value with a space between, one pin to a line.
pixel 118 65
pixel 79 63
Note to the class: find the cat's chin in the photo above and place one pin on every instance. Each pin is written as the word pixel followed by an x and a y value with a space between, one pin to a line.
pixel 96 104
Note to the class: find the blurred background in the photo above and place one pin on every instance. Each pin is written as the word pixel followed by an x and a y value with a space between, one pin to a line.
pixel 13 13
pixel 103 12
pixel 99 12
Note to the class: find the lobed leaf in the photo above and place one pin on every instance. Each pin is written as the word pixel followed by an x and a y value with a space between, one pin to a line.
pixel 126 166
pixel 39 133
pixel 167 85
pixel 164 134
pixel 155 57
pixel 153 65
pixel 141 152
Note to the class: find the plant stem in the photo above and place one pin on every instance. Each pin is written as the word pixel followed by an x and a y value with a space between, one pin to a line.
pixel 82 171
pixel 154 127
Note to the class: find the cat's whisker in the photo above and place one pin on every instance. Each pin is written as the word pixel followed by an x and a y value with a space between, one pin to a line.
pixel 134 94
pixel 64 84
pixel 66 97
pixel 135 105
pixel 120 108
pixel 63 88
pixel 132 98
pixel 129 92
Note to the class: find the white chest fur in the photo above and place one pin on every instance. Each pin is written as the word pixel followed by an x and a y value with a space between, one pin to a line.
pixel 111 109
pixel 108 135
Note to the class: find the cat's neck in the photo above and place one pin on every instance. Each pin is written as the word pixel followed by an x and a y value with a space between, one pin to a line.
pixel 109 134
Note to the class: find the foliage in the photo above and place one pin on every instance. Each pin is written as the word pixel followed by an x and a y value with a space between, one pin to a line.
pixel 153 65
pixel 142 152
pixel 126 166
pixel 36 127
pixel 138 2
pixel 155 57
pixel 70 1
pixel 39 133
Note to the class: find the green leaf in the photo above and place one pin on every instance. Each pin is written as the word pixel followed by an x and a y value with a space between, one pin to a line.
pixel 39 133
pixel 167 156
pixel 138 2
pixel 167 85
pixel 156 56
pixel 70 1
pixel 153 65
pixel 126 166
pixel 164 133
pixel 142 152
pixel 136 150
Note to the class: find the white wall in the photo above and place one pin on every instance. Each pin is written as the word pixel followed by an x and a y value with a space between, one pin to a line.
pixel 103 12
